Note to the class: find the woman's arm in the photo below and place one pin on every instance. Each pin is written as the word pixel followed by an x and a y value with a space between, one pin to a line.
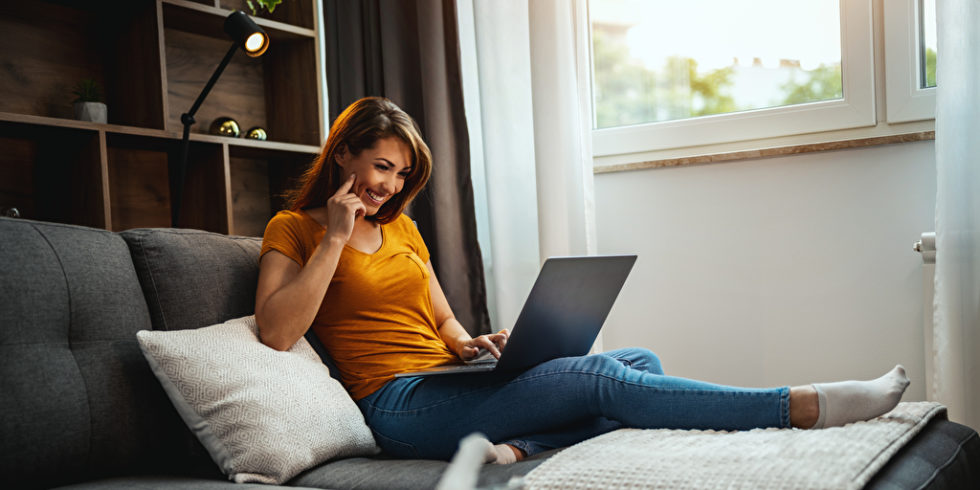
pixel 288 295
pixel 453 333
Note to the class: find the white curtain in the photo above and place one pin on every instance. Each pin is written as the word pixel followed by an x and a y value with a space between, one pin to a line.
pixel 562 130
pixel 533 119
pixel 956 333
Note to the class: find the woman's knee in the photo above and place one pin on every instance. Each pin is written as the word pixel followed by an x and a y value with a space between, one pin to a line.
pixel 638 358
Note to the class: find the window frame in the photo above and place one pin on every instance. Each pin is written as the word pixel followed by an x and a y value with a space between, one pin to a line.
pixel 856 109
pixel 905 101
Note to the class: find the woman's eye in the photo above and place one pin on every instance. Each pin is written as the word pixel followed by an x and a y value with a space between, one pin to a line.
pixel 381 167
pixel 404 176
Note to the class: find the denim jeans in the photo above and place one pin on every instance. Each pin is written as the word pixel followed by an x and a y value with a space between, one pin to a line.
pixel 559 403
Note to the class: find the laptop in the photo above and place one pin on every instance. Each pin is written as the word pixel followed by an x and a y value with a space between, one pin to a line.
pixel 561 317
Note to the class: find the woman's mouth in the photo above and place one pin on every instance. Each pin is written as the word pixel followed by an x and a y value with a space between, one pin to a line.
pixel 374 198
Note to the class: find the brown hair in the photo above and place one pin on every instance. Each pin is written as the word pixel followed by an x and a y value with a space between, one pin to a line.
pixel 356 129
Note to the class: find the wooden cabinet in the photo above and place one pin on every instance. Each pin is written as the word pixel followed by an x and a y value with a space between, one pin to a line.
pixel 152 58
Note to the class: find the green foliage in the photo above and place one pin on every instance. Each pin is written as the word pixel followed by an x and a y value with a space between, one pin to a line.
pixel 87 91
pixel 629 93
pixel 256 5
pixel 930 67
pixel 822 83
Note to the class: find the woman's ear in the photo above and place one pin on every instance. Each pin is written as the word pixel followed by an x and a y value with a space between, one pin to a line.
pixel 341 155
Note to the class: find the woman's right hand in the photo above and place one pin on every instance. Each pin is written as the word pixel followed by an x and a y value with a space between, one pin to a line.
pixel 342 209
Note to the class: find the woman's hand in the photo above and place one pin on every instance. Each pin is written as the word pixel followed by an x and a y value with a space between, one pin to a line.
pixel 495 343
pixel 342 209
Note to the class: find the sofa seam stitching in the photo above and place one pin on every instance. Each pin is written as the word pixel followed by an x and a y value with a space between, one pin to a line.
pixel 153 284
pixel 71 321
pixel 935 472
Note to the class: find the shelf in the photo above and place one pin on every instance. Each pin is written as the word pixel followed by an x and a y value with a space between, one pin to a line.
pixel 53 46
pixel 259 148
pixel 52 174
pixel 207 20
pixel 152 58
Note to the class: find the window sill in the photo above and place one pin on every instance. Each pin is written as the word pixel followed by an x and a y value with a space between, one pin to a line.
pixel 882 134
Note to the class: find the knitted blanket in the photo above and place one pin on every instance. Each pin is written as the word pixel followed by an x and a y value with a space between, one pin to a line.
pixel 834 458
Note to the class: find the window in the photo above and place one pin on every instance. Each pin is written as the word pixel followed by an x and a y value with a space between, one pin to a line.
pixel 910 60
pixel 715 71
pixel 927 43
pixel 651 67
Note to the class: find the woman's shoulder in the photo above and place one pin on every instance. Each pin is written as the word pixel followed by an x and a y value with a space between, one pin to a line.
pixel 303 217
pixel 296 223
pixel 404 223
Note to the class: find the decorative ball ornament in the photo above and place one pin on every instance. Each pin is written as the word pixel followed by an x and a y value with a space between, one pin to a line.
pixel 256 133
pixel 225 126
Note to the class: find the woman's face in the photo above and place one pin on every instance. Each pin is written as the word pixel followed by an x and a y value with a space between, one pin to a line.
pixel 380 171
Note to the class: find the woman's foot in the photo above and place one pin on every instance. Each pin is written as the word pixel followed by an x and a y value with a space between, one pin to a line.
pixel 836 404
pixel 503 454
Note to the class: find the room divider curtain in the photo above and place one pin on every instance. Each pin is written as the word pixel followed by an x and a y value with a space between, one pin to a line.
pixel 956 332
pixel 408 51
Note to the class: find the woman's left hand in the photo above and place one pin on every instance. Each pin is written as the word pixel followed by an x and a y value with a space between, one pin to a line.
pixel 494 343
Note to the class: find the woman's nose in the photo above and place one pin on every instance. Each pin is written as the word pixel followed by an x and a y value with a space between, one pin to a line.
pixel 391 184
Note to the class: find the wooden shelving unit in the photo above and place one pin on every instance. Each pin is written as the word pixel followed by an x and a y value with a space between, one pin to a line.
pixel 152 57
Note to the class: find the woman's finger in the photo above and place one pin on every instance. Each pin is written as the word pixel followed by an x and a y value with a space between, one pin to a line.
pixel 501 340
pixel 487 343
pixel 346 186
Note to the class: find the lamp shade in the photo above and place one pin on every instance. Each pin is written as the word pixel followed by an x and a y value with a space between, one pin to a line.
pixel 246 33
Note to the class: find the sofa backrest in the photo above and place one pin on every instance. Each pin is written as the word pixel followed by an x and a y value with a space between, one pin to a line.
pixel 193 278
pixel 77 399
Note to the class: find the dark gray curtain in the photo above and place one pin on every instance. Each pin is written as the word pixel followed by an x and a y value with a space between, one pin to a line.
pixel 408 51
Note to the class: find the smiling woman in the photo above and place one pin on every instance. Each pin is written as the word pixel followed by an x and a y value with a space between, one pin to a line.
pixel 372 131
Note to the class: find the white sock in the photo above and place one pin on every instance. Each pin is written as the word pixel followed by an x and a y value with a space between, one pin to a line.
pixel 499 454
pixel 851 401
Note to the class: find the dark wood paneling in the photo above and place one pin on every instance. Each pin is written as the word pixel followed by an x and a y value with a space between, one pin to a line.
pixel 152 58
pixel 291 90
pixel 17 175
pixel 238 94
pixel 205 200
pixel 139 188
pixel 295 12
pixel 284 175
pixel 51 174
pixel 250 196
pixel 134 90
pixel 40 63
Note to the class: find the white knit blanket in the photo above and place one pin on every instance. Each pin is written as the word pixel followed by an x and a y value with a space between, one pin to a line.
pixel 835 458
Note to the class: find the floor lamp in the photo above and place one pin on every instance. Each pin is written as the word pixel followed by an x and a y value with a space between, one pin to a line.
pixel 254 41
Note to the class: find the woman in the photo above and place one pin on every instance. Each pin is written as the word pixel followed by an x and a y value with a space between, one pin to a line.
pixel 346 261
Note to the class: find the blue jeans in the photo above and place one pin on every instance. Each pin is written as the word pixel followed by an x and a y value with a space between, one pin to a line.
pixel 559 403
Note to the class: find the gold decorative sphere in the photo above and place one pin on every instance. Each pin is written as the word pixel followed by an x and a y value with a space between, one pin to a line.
pixel 225 126
pixel 256 133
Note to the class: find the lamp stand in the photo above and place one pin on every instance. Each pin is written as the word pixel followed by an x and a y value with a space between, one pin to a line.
pixel 187 119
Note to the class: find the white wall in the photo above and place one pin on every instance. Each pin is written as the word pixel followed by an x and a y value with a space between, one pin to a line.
pixel 774 271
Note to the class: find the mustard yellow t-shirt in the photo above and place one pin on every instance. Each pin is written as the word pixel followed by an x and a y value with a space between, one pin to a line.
pixel 376 318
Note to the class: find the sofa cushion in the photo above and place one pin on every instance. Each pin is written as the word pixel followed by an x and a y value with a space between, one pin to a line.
pixel 77 399
pixel 263 415
pixel 156 482
pixel 194 278
pixel 379 473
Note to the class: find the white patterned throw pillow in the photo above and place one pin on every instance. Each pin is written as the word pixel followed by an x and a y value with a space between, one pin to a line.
pixel 263 415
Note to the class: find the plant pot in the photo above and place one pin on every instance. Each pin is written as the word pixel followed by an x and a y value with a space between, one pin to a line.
pixel 91 111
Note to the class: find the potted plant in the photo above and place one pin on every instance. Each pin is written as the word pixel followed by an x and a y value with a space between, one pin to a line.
pixel 257 5
pixel 88 104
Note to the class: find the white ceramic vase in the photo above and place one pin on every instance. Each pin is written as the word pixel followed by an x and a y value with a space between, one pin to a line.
pixel 91 111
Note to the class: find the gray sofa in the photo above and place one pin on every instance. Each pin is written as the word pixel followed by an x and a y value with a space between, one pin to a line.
pixel 80 407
